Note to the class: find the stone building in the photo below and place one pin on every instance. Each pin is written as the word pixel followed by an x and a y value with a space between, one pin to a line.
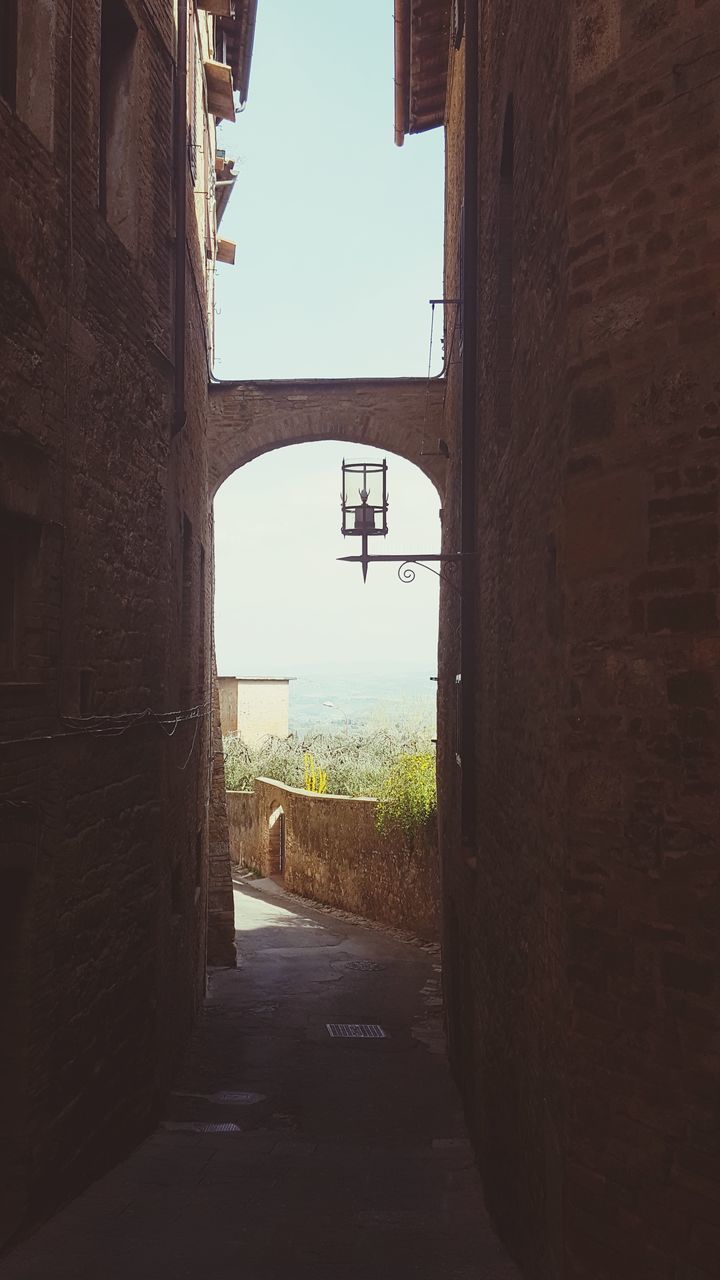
pixel 580 662
pixel 108 244
pixel 254 707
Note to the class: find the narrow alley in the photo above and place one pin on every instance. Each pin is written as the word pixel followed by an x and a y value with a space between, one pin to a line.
pixel 286 1150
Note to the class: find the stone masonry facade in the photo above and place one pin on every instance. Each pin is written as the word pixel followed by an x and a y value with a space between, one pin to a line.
pixel 105 582
pixel 390 876
pixel 579 837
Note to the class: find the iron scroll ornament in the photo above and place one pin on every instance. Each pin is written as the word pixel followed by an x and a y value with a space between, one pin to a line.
pixel 406 571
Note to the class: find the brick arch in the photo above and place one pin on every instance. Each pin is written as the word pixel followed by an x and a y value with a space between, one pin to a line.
pixel 402 415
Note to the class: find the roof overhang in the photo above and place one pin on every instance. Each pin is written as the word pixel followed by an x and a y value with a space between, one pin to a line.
pixel 422 39
pixel 239 37
pixel 225 179
pixel 219 84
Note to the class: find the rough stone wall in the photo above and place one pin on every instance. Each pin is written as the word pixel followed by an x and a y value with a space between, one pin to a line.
pixel 335 854
pixel 639 565
pixel 403 415
pixel 221 911
pixel 228 695
pixel 244 832
pixel 104 838
pixel 503 927
pixel 581 945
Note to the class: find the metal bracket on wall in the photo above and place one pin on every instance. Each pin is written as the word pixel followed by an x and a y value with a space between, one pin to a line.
pixel 405 571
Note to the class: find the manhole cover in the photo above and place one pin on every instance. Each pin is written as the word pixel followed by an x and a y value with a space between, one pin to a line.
pixel 355 1030
pixel 364 966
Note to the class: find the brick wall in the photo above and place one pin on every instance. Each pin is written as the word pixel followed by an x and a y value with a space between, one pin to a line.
pixel 249 418
pixel 640 564
pixel 104 838
pixel 581 944
pixel 221 911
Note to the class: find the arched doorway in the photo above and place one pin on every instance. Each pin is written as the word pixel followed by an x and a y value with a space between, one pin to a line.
pixel 304 602
pixel 276 839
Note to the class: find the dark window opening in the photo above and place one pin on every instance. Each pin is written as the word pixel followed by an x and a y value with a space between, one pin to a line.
pixel 19 546
pixel 186 611
pixel 14 939
pixel 461 280
pixel 177 890
pixel 117 185
pixel 87 691
pixel 192 106
pixel 505 337
pixel 8 50
pixel 201 646
pixel 192 145
pixel 199 858
pixel 458 22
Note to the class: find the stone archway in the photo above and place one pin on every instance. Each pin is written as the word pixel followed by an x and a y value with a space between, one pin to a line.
pixel 247 419
pixel 402 415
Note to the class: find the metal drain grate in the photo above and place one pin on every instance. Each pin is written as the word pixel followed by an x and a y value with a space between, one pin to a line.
pixel 355 1030
pixel 364 966
pixel 192 1126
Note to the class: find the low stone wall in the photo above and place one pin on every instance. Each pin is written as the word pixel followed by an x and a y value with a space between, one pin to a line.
pixel 221 912
pixel 242 813
pixel 334 854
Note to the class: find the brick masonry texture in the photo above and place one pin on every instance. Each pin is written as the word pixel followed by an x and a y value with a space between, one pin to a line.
pixel 581 945
pixel 104 840
pixel 400 414
pixel 334 854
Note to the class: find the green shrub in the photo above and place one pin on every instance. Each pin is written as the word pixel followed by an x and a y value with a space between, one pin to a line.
pixel 358 762
pixel 408 800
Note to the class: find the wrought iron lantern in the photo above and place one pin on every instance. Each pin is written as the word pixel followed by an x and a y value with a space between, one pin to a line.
pixel 368 517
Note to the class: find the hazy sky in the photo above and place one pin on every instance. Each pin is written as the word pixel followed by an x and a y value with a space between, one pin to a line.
pixel 339 237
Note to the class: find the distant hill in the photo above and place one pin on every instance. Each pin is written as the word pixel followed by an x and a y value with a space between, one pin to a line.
pixel 359 693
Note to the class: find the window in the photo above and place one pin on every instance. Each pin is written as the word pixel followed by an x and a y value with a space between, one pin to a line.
pixel 19 544
pixel 117 177
pixel 8 50
pixel 505 338
pixel 27 63
pixel 193 107
pixel 458 22
pixel 202 674
pixel 35 79
pixel 187 613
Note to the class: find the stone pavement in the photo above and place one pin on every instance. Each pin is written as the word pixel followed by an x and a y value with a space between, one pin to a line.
pixel 286 1152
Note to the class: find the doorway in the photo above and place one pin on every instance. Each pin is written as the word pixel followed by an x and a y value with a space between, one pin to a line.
pixel 277 843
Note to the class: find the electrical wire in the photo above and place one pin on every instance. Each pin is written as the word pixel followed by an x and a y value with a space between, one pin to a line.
pixel 116 726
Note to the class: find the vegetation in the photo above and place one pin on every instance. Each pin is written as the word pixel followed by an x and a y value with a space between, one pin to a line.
pixel 409 794
pixel 315 779
pixel 394 763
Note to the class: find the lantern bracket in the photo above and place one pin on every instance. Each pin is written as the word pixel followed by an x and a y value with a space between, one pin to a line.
pixel 404 562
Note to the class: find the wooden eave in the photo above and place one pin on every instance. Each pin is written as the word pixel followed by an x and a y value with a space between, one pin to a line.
pixel 219 81
pixel 239 36
pixel 227 178
pixel 226 251
pixel 223 8
pixel 422 39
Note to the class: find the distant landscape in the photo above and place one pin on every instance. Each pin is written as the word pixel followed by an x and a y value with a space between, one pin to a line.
pixel 361 695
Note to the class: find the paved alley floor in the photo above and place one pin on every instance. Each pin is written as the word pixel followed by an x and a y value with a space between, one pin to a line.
pixel 287 1152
